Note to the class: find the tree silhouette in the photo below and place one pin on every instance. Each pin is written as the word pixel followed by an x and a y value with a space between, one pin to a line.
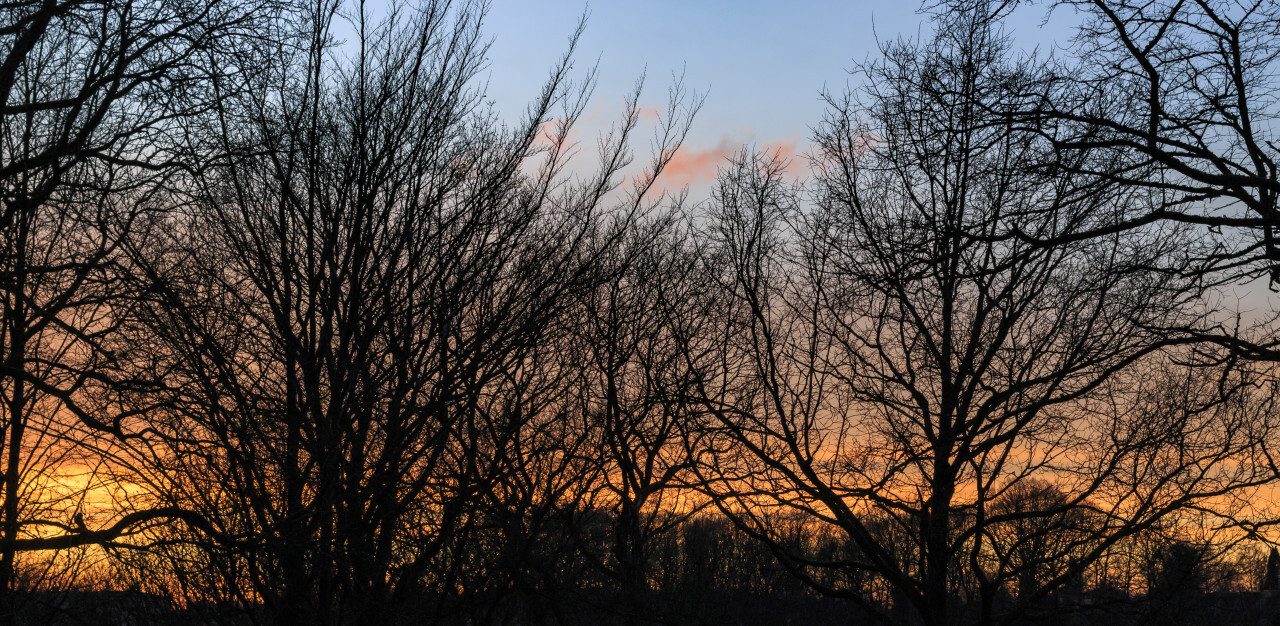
pixel 296 328
pixel 91 97
pixel 892 354
pixel 1271 577
pixel 354 319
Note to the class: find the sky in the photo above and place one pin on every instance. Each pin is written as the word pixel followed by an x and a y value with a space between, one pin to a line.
pixel 762 65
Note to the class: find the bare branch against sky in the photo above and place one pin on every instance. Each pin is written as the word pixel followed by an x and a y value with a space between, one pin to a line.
pixel 468 312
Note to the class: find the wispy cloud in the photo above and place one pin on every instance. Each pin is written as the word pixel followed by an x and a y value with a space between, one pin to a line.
pixel 692 166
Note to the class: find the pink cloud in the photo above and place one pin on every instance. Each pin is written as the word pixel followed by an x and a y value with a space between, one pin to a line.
pixel 648 113
pixel 693 166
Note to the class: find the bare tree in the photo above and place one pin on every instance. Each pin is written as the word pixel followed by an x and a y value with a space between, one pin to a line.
pixel 1180 92
pixel 351 320
pixel 893 356
pixel 93 95
pixel 1176 97
pixel 635 394
pixel 1039 538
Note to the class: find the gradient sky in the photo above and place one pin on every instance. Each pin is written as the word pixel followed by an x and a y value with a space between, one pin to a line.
pixel 761 64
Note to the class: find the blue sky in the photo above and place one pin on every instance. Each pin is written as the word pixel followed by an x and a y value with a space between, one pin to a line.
pixel 761 64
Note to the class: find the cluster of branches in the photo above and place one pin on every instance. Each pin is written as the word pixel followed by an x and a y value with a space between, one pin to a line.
pixel 294 323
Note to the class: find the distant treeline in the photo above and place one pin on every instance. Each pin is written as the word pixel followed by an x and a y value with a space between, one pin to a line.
pixel 298 330
pixel 705 571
